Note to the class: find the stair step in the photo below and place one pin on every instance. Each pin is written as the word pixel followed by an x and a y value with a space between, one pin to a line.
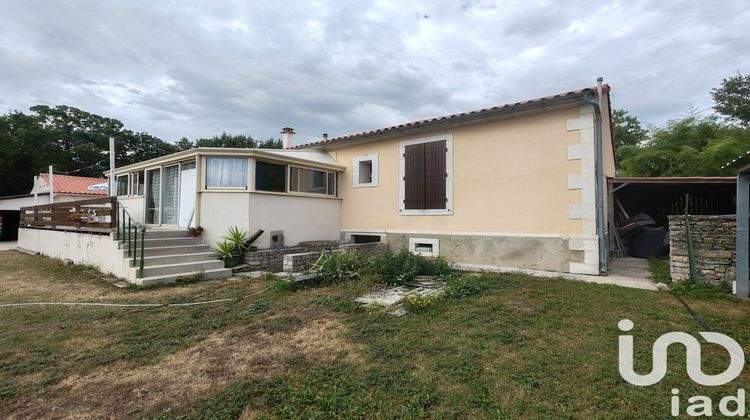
pixel 157 242
pixel 161 234
pixel 172 250
pixel 219 273
pixel 177 258
pixel 188 267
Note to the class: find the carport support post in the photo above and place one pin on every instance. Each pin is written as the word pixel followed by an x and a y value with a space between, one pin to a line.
pixel 743 218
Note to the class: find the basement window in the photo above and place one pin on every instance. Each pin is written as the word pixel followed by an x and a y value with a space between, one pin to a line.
pixel 426 247
pixel 365 239
pixel 365 171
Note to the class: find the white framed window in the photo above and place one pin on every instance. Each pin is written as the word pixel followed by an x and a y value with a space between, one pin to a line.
pixel 426 247
pixel 229 173
pixel 365 173
pixel 421 192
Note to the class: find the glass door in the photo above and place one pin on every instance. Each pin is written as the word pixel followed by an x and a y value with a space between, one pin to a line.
pixel 153 196
pixel 170 194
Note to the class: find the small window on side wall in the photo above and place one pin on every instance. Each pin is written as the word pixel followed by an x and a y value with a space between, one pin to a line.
pixel 365 171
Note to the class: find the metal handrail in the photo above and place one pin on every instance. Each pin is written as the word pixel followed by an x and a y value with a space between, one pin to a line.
pixel 131 239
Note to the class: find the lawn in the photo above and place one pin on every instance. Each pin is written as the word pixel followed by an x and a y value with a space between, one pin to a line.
pixel 516 346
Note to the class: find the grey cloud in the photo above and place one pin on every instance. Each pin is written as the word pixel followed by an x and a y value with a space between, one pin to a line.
pixel 176 69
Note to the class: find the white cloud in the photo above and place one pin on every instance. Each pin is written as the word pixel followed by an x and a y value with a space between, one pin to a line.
pixel 176 69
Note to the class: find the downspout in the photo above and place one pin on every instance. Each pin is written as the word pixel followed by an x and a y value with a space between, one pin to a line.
pixel 599 174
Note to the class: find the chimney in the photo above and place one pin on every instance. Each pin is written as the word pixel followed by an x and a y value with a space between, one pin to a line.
pixel 287 136
pixel 325 136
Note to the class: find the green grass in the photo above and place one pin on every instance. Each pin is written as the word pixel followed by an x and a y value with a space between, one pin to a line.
pixel 659 268
pixel 499 346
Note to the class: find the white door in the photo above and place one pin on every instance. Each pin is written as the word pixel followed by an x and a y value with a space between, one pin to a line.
pixel 187 195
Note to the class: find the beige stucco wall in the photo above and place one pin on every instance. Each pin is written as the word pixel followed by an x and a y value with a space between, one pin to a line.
pixel 509 176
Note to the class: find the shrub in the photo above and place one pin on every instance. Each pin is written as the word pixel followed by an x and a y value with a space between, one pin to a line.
pixel 232 247
pixel 340 266
pixel 403 267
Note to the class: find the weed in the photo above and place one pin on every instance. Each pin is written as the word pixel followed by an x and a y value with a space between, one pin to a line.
pixel 659 269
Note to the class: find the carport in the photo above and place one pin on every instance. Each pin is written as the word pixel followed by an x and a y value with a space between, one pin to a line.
pixel 742 165
pixel 659 197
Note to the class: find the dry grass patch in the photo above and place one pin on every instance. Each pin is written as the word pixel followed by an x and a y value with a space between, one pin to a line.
pixel 183 377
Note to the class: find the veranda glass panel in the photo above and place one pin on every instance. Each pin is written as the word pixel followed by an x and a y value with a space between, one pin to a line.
pixel 153 197
pixel 309 181
pixel 170 191
pixel 270 177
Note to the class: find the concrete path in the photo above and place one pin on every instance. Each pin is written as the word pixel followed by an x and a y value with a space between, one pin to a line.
pixel 8 245
pixel 614 279
pixel 629 267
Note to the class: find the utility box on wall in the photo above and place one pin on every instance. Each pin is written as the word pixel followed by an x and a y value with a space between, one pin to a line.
pixel 277 239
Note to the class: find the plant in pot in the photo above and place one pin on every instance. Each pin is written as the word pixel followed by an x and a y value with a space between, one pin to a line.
pixel 232 247
pixel 195 231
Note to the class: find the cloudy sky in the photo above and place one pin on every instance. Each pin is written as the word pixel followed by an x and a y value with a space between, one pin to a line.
pixel 195 69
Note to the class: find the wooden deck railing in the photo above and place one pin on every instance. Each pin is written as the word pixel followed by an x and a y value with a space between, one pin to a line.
pixel 94 215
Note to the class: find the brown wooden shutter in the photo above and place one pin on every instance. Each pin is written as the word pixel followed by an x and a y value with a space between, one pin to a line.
pixel 414 175
pixel 435 174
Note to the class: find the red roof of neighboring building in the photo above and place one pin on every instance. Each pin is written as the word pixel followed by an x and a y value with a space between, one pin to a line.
pixel 76 184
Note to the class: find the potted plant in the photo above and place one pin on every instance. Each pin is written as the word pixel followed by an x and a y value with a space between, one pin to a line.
pixel 227 251
pixel 195 231
pixel 234 245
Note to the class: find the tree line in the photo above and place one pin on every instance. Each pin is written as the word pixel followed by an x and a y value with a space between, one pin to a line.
pixel 76 142
pixel 696 145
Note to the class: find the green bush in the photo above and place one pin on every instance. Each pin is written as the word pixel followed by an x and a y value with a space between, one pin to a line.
pixel 340 266
pixel 403 267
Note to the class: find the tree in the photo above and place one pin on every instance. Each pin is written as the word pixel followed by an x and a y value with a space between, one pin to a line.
pixel 692 146
pixel 229 140
pixel 72 140
pixel 732 99
pixel 627 129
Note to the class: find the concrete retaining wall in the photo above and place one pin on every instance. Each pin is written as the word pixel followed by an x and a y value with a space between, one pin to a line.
pixel 714 242
pixel 543 252
pixel 101 251
pixel 295 263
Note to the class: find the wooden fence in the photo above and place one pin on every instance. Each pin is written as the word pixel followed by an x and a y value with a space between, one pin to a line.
pixel 94 215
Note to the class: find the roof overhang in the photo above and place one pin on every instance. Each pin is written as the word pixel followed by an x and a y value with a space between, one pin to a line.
pixel 268 154
pixel 672 180
pixel 741 164
pixel 458 120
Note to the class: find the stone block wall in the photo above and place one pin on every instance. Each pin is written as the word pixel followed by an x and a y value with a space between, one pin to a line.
pixel 295 263
pixel 305 254
pixel 714 241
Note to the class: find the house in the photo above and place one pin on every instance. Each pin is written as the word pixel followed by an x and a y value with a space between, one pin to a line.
pixel 513 186
pixel 520 185
pixel 66 188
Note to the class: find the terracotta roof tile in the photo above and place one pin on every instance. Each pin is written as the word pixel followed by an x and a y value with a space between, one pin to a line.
pixel 76 184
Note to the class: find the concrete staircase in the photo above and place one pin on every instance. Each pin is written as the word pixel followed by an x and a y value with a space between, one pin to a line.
pixel 173 254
